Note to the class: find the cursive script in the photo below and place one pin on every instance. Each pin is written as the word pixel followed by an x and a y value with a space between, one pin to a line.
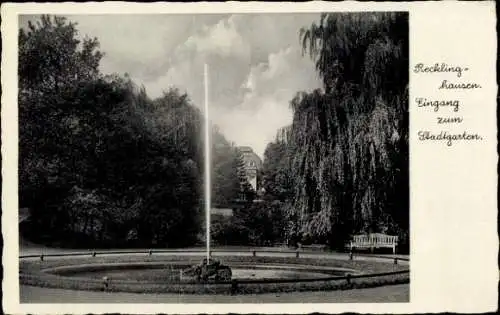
pixel 452 102
pixel 439 68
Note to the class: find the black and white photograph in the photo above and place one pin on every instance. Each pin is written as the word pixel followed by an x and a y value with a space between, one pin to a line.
pixel 214 158
pixel 249 157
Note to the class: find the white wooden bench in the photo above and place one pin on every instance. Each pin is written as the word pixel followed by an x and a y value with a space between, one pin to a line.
pixel 374 240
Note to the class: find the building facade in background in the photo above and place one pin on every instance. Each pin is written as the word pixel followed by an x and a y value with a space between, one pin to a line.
pixel 253 164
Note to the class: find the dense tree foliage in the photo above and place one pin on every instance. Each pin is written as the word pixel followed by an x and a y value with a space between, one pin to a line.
pixel 101 163
pixel 346 151
pixel 256 224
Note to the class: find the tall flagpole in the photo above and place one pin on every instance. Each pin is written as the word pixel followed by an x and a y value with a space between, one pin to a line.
pixel 207 164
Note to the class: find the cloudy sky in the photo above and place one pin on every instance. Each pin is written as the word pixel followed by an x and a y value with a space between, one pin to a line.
pixel 255 63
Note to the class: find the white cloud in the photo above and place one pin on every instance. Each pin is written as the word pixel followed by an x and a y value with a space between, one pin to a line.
pixel 222 39
pixel 141 45
pixel 265 107
pixel 256 66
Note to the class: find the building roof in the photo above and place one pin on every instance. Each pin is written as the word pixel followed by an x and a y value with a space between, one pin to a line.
pixel 249 155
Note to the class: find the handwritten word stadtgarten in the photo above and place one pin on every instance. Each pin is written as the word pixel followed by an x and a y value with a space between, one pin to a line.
pixel 446 136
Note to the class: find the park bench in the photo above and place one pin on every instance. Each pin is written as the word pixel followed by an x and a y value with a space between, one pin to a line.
pixel 374 240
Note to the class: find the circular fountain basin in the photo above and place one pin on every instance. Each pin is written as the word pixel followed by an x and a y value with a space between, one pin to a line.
pixel 170 274
pixel 165 273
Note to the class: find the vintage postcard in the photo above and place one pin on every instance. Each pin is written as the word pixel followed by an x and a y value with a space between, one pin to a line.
pixel 249 157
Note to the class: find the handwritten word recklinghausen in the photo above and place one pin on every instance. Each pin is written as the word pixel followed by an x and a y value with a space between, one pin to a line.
pixel 439 68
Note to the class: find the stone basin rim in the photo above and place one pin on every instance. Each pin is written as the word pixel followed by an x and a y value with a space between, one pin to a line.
pixel 278 266
pixel 61 271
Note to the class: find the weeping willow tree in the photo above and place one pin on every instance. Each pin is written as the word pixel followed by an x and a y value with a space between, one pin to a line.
pixel 348 142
